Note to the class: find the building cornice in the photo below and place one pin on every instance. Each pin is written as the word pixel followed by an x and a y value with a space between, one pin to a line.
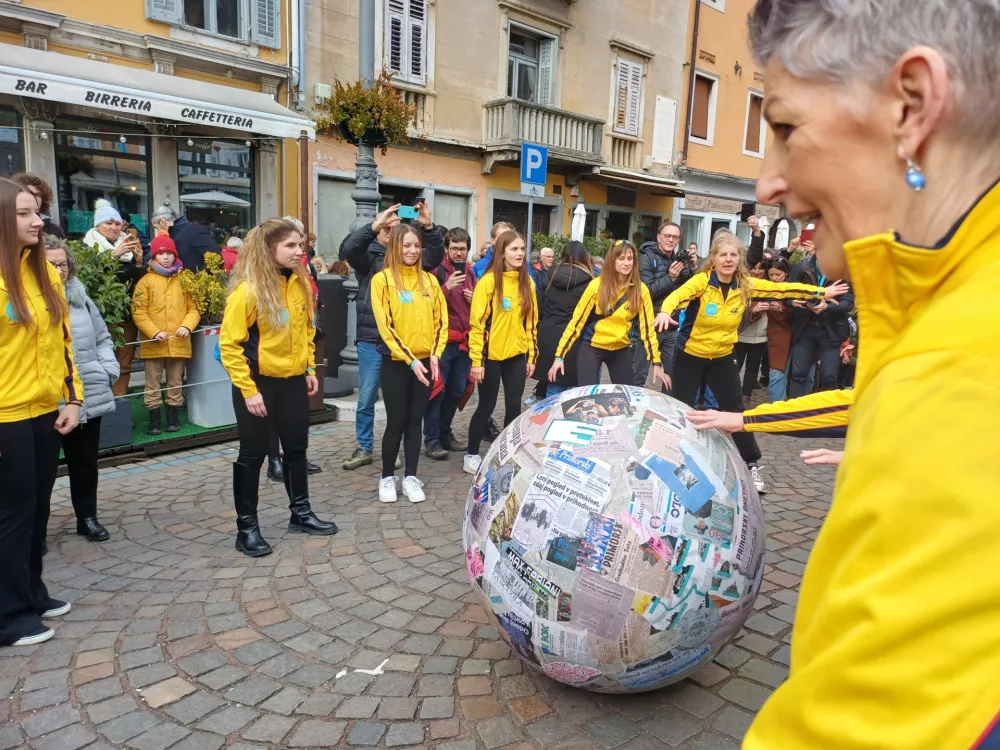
pixel 631 47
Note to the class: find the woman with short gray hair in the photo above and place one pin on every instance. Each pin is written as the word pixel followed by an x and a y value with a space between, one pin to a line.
pixel 887 137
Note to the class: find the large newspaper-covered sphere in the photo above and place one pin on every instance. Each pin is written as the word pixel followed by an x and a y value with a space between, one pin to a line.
pixel 614 547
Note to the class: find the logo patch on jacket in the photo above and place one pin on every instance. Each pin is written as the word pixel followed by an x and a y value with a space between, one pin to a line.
pixel 406 296
pixel 505 303
pixel 711 309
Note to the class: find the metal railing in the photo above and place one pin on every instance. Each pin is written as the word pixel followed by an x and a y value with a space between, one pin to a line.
pixel 509 122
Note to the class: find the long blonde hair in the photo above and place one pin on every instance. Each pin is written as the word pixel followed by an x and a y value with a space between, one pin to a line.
pixel 394 254
pixel 525 286
pixel 256 266
pixel 724 238
pixel 611 287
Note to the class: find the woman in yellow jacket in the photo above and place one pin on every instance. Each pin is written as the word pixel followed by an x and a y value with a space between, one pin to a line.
pixel 165 315
pixel 36 373
pixel 714 300
pixel 412 318
pixel 504 324
pixel 603 319
pixel 266 345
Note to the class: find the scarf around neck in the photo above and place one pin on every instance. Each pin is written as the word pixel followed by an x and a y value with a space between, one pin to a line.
pixel 157 268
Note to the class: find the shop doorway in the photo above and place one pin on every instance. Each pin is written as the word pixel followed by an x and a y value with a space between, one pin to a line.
pixel 515 213
pixel 618 225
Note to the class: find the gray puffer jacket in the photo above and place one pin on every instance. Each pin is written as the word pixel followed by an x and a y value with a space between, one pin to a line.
pixel 92 351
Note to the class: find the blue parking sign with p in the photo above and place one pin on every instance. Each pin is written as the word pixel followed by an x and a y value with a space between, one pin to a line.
pixel 534 163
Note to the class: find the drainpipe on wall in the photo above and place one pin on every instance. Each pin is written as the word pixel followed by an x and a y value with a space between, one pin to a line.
pixel 691 75
pixel 300 96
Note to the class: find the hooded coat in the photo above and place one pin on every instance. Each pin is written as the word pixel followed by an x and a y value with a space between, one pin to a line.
pixel 93 352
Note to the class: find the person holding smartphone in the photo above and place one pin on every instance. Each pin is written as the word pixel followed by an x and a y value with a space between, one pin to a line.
pixel 457 281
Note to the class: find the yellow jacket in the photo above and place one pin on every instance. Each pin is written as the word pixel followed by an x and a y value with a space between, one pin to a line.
pixel 897 635
pixel 37 370
pixel 712 319
pixel 499 330
pixel 822 414
pixel 610 332
pixel 251 346
pixel 159 304
pixel 413 324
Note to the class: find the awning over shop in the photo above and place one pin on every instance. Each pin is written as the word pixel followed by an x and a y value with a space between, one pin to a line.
pixel 215 198
pixel 55 77
pixel 636 180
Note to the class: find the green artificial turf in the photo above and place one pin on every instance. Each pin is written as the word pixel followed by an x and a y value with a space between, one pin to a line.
pixel 140 419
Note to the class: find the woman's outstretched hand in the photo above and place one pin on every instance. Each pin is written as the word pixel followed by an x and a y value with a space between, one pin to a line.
pixel 726 421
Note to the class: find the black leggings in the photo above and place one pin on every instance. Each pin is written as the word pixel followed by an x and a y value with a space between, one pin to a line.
pixel 513 373
pixel 287 404
pixel 723 377
pixel 590 359
pixel 80 448
pixel 29 459
pixel 753 355
pixel 405 403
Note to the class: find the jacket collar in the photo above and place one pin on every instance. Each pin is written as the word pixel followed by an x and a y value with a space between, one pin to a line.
pixel 894 281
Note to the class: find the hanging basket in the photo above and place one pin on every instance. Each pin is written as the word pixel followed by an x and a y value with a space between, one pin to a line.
pixel 372 138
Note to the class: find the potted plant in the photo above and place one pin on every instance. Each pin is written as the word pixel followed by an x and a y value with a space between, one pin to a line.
pixel 209 399
pixel 375 116
pixel 98 272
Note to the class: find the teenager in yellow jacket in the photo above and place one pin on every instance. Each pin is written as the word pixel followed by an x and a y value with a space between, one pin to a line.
pixel 603 318
pixel 412 318
pixel 165 315
pixel 502 342
pixel 714 300
pixel 266 345
pixel 36 373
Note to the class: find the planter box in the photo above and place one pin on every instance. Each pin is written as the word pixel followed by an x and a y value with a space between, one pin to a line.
pixel 116 427
pixel 209 405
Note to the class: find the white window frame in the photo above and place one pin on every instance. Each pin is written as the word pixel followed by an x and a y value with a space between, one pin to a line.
pixel 705 231
pixel 746 125
pixel 543 36
pixel 719 5
pixel 404 74
pixel 172 12
pixel 640 98
pixel 713 101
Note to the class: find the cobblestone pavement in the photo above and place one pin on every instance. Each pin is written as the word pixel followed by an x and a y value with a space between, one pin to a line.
pixel 370 638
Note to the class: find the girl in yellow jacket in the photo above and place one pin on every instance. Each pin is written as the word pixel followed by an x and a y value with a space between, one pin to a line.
pixel 165 315
pixel 36 373
pixel 504 323
pixel 412 318
pixel 266 345
pixel 715 299
pixel 603 319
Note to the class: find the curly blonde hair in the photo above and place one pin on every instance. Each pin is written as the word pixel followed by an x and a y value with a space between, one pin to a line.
pixel 725 238
pixel 256 266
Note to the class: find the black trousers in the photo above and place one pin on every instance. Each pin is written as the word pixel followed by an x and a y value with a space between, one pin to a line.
pixel 752 355
pixel 723 377
pixel 80 448
pixel 512 372
pixel 810 341
pixel 405 404
pixel 619 362
pixel 29 459
pixel 287 404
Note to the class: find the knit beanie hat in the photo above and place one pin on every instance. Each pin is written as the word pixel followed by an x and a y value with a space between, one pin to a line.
pixel 162 244
pixel 104 211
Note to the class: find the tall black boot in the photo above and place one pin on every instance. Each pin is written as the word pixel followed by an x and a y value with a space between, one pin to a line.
pixel 303 520
pixel 248 538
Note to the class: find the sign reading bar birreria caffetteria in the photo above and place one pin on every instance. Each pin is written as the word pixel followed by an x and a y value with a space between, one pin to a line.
pixel 164 106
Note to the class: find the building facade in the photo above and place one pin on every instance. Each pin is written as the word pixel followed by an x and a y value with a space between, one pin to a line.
pixel 599 82
pixel 152 101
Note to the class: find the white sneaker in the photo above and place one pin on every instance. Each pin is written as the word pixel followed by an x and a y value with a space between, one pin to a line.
pixel 413 489
pixel 40 635
pixel 471 464
pixel 387 490
pixel 531 400
pixel 758 480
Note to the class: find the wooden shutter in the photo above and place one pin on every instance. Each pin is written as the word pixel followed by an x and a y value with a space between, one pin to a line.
pixel 753 125
pixel 168 11
pixel 546 70
pixel 628 97
pixel 265 23
pixel 395 35
pixel 417 37
pixel 699 113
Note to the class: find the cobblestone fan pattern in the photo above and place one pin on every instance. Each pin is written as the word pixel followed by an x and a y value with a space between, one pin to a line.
pixel 366 639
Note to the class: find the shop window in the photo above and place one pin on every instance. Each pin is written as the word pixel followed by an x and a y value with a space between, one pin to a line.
pixel 691 232
pixel 515 213
pixel 93 162
pixel 216 181
pixel 628 97
pixel 531 60
pixel 703 111
pixel 451 210
pixel 406 40
pixel 754 131
pixel 11 149
pixel 256 21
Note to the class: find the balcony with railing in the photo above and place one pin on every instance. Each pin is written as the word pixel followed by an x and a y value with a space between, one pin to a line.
pixel 570 137
pixel 623 152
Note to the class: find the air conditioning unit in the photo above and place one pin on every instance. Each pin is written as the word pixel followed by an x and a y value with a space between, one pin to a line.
pixel 322 92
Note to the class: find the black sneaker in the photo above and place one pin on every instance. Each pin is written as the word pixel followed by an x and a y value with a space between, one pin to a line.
pixel 38 635
pixel 449 443
pixel 55 608
pixel 359 458
pixel 312 468
pixel 492 431
pixel 434 450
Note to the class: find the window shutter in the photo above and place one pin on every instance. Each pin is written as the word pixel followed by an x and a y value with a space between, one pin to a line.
pixel 699 114
pixel 168 11
pixel 265 23
pixel 395 26
pixel 546 70
pixel 621 95
pixel 753 125
pixel 628 98
pixel 417 36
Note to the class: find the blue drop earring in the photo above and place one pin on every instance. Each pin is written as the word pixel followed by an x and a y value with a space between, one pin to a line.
pixel 914 176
